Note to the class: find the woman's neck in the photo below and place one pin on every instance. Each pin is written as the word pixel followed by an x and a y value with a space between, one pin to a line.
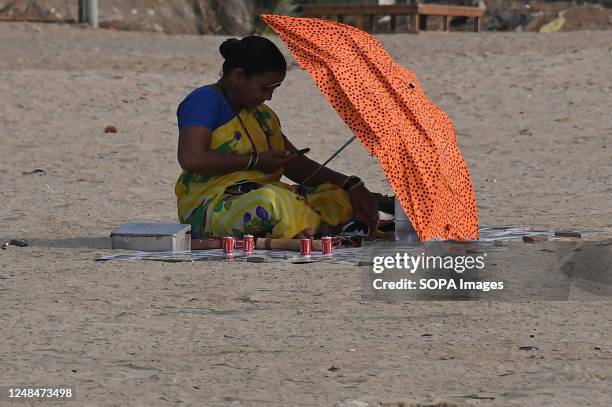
pixel 224 89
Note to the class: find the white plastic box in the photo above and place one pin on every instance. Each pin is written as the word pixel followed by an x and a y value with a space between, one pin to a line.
pixel 152 237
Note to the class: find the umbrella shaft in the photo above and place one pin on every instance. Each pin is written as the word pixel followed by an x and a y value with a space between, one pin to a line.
pixel 328 160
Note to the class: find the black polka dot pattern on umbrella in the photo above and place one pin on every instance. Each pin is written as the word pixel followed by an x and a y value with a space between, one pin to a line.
pixel 385 106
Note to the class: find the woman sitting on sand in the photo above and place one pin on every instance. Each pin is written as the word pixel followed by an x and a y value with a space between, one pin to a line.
pixel 233 155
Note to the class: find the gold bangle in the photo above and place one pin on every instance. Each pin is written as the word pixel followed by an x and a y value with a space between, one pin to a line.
pixel 248 167
pixel 252 161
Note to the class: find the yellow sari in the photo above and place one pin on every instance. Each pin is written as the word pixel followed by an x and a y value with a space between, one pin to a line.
pixel 253 202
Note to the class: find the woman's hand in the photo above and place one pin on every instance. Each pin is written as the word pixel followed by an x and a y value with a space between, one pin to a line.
pixel 271 160
pixel 365 207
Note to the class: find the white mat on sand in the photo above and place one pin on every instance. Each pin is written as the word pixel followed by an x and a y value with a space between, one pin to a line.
pixel 350 256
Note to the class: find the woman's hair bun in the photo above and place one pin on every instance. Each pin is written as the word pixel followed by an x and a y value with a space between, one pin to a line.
pixel 253 54
pixel 226 47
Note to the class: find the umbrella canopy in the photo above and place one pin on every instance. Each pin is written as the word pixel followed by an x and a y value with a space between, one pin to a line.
pixel 385 107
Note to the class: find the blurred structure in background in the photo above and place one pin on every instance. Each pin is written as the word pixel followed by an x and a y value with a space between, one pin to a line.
pixel 373 17
pixel 88 12
pixel 238 17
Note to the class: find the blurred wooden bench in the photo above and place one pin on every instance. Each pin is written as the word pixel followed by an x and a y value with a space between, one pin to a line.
pixel 415 11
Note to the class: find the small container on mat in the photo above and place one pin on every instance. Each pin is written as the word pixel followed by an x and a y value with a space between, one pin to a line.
pixel 152 237
pixel 404 231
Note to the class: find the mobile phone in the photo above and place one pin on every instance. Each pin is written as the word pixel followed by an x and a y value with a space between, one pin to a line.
pixel 302 151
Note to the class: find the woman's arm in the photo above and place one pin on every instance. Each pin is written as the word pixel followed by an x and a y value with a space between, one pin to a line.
pixel 365 207
pixel 301 167
pixel 194 155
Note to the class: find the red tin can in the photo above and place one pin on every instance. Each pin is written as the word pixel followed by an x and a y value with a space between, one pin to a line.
pixel 327 244
pixel 228 245
pixel 248 244
pixel 305 247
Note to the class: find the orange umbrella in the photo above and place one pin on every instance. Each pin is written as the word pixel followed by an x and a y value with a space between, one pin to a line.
pixel 385 107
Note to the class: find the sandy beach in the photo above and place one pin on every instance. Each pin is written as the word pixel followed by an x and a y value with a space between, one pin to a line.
pixel 532 117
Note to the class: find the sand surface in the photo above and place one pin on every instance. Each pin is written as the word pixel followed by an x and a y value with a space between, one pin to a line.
pixel 532 118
